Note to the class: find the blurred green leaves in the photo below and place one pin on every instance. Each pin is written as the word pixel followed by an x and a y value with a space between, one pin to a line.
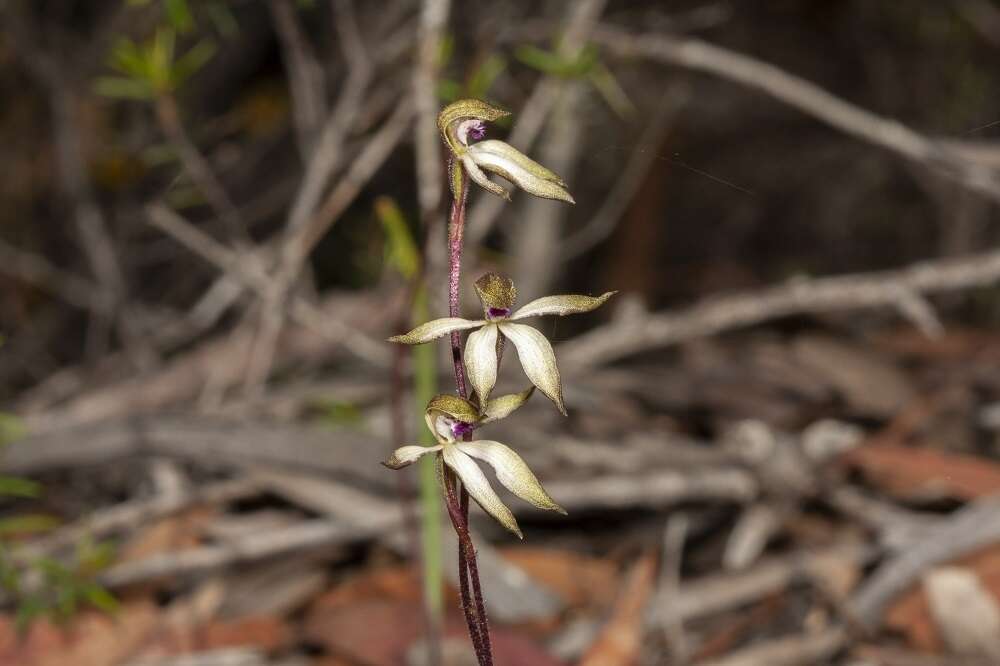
pixel 401 253
pixel 152 69
pixel 585 65
pixel 155 67
pixel 60 589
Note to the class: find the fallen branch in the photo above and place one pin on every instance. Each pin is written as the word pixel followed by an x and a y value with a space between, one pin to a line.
pixel 806 649
pixel 967 530
pixel 892 288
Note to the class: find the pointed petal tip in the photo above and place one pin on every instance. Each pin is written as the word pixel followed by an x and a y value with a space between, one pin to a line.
pixel 558 509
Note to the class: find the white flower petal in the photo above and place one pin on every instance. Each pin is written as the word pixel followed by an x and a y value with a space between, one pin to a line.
pixel 435 329
pixel 537 359
pixel 406 455
pixel 479 488
pixel 502 407
pixel 481 360
pixel 512 472
pixel 512 154
pixel 561 305
pixel 477 175
pixel 527 174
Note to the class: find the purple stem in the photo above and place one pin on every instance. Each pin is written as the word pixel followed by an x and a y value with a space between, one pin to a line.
pixel 473 605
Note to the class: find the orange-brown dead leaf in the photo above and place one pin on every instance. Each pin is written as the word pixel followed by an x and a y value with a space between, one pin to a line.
pixel 620 642
pixel 92 638
pixel 579 580
pixel 918 472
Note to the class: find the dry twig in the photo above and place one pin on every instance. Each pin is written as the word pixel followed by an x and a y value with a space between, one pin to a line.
pixel 843 292
pixel 806 97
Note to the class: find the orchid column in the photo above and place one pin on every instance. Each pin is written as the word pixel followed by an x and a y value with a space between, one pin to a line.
pixel 453 418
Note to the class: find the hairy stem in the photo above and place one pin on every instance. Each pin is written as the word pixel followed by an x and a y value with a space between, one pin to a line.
pixel 458 507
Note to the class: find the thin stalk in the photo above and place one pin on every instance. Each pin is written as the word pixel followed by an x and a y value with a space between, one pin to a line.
pixel 426 537
pixel 425 387
pixel 458 507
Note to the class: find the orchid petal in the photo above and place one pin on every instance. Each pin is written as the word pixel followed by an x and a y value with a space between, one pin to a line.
pixel 518 168
pixel 406 455
pixel 479 488
pixel 435 329
pixel 537 359
pixel 508 152
pixel 502 407
pixel 481 360
pixel 561 305
pixel 478 177
pixel 512 472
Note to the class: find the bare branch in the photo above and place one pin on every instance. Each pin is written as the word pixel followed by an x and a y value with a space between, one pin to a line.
pixel 305 75
pixel 843 292
pixel 806 97
pixel 251 275
pixel 433 17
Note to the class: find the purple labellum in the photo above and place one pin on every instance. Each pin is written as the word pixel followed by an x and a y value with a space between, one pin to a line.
pixel 497 313
pixel 477 131
pixel 461 428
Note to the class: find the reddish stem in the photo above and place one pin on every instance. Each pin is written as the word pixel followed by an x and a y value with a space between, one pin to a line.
pixel 456 230
pixel 473 605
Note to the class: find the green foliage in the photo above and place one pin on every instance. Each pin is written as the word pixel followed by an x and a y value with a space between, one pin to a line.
pixel 61 589
pixel 478 83
pixel 11 428
pixel 152 69
pixel 182 14
pixel 340 414
pixel 57 590
pixel 13 486
pixel 401 253
pixel 554 64
pixel 586 65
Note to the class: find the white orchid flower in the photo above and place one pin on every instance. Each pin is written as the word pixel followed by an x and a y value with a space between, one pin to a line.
pixel 450 418
pixel 485 345
pixel 464 121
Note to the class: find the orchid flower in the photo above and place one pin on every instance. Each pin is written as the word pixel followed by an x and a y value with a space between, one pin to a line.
pixel 484 345
pixel 464 121
pixel 450 418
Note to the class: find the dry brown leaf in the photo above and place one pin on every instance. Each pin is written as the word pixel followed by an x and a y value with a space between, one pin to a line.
pixel 169 534
pixel 92 639
pixel 265 633
pixel 579 580
pixel 920 472
pixel 620 642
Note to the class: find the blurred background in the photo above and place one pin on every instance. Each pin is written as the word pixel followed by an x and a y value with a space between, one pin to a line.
pixel 782 444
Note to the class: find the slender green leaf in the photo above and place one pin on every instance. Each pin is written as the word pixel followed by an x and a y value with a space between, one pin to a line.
pixel 222 18
pixel 118 87
pixel 191 62
pixel 99 597
pixel 485 75
pixel 17 487
pixel 401 251
pixel 27 524
pixel 179 15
